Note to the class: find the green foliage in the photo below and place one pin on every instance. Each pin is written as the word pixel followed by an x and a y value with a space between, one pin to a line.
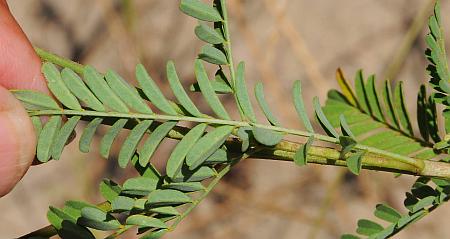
pixel 366 130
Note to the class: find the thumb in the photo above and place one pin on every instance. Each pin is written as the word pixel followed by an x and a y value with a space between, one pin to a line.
pixel 17 143
pixel 19 69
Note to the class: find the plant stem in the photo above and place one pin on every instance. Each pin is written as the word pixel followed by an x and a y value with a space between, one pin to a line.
pixel 61 61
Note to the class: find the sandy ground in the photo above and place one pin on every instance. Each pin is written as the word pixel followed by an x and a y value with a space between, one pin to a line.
pixel 281 41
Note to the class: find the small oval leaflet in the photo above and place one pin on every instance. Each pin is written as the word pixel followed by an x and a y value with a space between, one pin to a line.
pixel 323 119
pixel 153 141
pixel 367 228
pixel 354 162
pixel 88 135
pixel 108 138
pixel 145 221
pixel 266 137
pixel 58 88
pixel 213 55
pixel 208 34
pixel 208 91
pixel 300 106
pixel 122 203
pixel 200 10
pixel 242 94
pixel 47 138
pixel 131 142
pixel 207 145
pixel 185 186
pixel 301 156
pixel 179 91
pixel 34 100
pixel 109 189
pixel 63 136
pixel 176 159
pixel 259 94
pixel 387 213
pixel 167 197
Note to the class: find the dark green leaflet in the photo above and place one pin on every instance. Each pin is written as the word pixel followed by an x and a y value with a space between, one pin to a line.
pixel 387 213
pixel 180 151
pixel 34 100
pixel 372 97
pixel 391 110
pixel 131 142
pixel 242 93
pixel 200 10
pixel 323 119
pixel 145 221
pixel 80 90
pixel 152 91
pixel 185 186
pixel 153 141
pixel 345 128
pixel 168 210
pixel 266 137
pixel 122 203
pixel 108 139
pixel 367 228
pixel 354 162
pixel 88 134
pixel 126 93
pixel 208 92
pixel 300 106
pixel 422 113
pixel 402 110
pixel 213 55
pixel 63 136
pixel 196 175
pixel 58 88
pixel 179 91
pixel 97 219
pixel 47 138
pixel 259 94
pixel 361 92
pixel 109 189
pixel 167 197
pixel 103 92
pixel 300 157
pixel 209 35
pixel 207 145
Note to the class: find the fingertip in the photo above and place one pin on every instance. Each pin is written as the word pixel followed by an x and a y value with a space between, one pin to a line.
pixel 17 141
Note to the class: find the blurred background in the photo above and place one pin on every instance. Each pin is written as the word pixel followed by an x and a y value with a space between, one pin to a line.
pixel 281 41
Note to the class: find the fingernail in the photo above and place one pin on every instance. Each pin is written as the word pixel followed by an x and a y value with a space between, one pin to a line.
pixel 17 141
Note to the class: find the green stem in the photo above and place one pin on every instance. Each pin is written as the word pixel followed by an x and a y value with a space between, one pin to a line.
pixel 227 44
pixel 419 164
pixel 61 61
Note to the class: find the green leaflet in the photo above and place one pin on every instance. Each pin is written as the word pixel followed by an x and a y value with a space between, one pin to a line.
pixel 259 94
pixel 347 144
pixel 361 92
pixel 63 136
pixel 176 159
pixel 185 186
pixel 213 55
pixel 422 203
pixel 242 133
pixel 207 145
pixel 200 10
pixel 80 90
pixel 391 110
pixel 152 91
pixel 387 213
pixel 209 35
pixel 208 92
pixel 179 91
pixel 55 216
pixel 196 175
pixel 354 162
pixel 47 138
pixel 97 219
pixel 108 138
pixel 88 134
pixel 345 128
pixel 58 88
pixel 266 137
pixel 122 203
pixel 109 189
pixel 130 144
pixel 300 106
pixel 367 228
pixel 326 125
pixel 140 185
pixel 301 156
pixel 34 100
pixel 347 91
pixel 145 221
pixel 169 210
pixel 220 156
pixel 167 197
pixel 126 93
pixel 103 92
pixel 349 236
pixel 401 108
pixel 372 97
pixel 153 141
pixel 37 124
pixel 219 86
pixel 422 113
pixel 242 93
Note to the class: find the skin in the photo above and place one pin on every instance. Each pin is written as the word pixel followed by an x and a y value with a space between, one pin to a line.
pixel 19 69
